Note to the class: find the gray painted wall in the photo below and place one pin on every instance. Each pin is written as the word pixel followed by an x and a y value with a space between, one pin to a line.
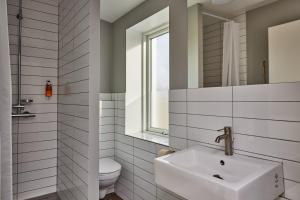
pixel 258 21
pixel 106 56
pixel 178 41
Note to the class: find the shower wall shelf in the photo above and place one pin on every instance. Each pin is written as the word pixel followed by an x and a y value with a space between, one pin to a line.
pixel 25 115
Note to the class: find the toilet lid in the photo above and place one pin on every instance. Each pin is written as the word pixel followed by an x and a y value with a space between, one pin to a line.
pixel 107 165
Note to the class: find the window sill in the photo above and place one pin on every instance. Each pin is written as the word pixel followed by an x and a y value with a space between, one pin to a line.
pixel 152 137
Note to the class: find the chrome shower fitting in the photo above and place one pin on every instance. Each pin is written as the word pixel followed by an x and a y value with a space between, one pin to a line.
pixel 19 107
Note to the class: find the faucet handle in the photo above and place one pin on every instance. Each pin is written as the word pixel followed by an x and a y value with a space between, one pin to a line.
pixel 226 129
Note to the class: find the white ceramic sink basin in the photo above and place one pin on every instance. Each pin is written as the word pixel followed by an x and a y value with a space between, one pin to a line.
pixel 201 173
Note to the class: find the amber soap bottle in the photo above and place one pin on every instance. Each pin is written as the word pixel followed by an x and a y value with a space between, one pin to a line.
pixel 48 90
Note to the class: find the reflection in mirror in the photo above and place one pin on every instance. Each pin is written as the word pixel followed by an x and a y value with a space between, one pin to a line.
pixel 147 75
pixel 284 48
pixel 242 42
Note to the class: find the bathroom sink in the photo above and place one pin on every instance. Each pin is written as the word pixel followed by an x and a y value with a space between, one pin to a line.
pixel 201 173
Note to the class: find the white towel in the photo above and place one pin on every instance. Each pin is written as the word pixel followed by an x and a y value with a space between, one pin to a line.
pixel 231 54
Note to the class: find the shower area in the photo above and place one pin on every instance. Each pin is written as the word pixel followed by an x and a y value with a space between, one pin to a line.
pixel 217 58
pixel 213 30
pixel 33 42
pixel 221 51
pixel 54 113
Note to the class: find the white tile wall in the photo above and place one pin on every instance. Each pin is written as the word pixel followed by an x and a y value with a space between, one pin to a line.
pixel 267 134
pixel 35 139
pixel 73 100
pixel 272 131
pixel 241 18
pixel 107 125
pixel 264 118
pixel 137 179
pixel 135 155
pixel 213 53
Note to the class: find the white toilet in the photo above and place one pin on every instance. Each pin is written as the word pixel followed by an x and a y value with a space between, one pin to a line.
pixel 109 172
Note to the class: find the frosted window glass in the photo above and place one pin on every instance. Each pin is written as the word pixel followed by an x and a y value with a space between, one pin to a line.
pixel 160 82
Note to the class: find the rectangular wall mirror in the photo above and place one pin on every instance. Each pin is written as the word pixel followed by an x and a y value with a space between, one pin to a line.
pixel 243 42
pixel 154 46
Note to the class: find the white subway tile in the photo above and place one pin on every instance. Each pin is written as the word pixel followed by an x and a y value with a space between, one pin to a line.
pixel 291 170
pixel 178 119
pixel 268 128
pixel 178 131
pixel 292 190
pixel 144 175
pixel 148 166
pixel 270 147
pixel 177 143
pixel 208 122
pixel 143 193
pixel 204 136
pixel 177 107
pixel 145 155
pixel 163 194
pixel 125 156
pixel 37 192
pixel 150 188
pixel 289 111
pixel 37 165
pixel 36 184
pixel 145 145
pixel 177 95
pixel 37 146
pixel 37 174
pixel 124 147
pixel 124 139
pixel 106 153
pixel 267 92
pixel 210 108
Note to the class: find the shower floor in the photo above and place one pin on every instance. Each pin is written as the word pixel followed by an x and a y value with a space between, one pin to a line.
pixel 112 196
pixel 54 196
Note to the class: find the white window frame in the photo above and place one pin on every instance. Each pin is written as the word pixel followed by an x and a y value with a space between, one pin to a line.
pixel 146 88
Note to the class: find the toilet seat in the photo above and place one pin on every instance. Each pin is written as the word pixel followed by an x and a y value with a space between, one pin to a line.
pixel 108 169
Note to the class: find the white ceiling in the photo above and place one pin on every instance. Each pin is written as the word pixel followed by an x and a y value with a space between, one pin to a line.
pixel 232 8
pixel 111 10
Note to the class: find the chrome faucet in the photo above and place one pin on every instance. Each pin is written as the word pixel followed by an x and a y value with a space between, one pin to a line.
pixel 227 136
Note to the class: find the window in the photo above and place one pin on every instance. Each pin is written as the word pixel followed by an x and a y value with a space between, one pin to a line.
pixel 147 79
pixel 156 81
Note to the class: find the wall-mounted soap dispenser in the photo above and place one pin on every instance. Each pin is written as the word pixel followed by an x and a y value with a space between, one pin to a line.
pixel 48 89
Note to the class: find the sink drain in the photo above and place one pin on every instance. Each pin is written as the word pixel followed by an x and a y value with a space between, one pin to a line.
pixel 218 176
pixel 222 162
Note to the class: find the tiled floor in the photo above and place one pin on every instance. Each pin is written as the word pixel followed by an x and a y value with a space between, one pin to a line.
pixel 112 196
pixel 55 197
pixel 52 196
